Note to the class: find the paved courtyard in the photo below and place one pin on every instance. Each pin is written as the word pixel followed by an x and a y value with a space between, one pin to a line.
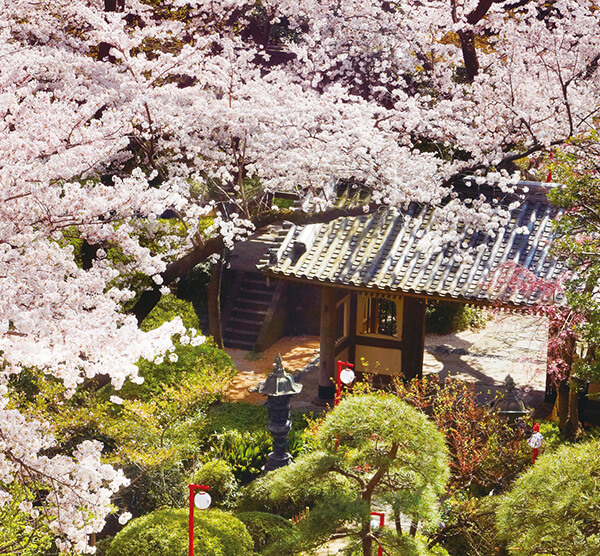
pixel 512 344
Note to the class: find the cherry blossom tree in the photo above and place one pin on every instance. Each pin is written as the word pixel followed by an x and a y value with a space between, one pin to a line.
pixel 114 112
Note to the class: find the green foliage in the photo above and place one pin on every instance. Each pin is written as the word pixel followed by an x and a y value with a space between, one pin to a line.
pixel 246 452
pixel 553 508
pixel 577 246
pixel 486 453
pixel 20 532
pixel 103 545
pixel 168 308
pixel 237 433
pixel 192 287
pixel 468 526
pixel 383 449
pixel 446 317
pixel 164 533
pixel 219 476
pixel 277 493
pixel 404 545
pixel 253 356
pixel 161 485
pixel 239 416
pixel 265 529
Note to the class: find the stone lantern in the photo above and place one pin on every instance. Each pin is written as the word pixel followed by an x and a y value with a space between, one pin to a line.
pixel 511 405
pixel 279 388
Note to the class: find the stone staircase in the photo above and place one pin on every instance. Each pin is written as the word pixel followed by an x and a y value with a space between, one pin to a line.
pixel 248 311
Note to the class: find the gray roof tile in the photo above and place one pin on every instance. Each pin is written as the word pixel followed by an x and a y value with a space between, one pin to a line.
pixel 379 252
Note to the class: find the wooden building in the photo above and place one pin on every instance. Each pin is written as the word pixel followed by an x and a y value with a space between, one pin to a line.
pixel 373 276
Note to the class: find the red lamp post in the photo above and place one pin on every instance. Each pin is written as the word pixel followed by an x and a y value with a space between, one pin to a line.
pixel 202 502
pixel 344 374
pixel 381 516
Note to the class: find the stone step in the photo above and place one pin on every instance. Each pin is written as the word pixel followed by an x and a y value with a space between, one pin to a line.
pixel 256 294
pixel 239 344
pixel 237 323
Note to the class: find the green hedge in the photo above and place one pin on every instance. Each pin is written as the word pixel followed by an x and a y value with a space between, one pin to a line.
pixel 219 476
pixel 265 528
pixel 446 317
pixel 165 533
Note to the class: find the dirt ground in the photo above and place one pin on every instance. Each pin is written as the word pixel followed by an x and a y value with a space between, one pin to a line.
pixel 296 353
pixel 510 344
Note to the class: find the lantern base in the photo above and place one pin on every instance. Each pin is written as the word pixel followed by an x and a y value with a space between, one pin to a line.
pixel 275 461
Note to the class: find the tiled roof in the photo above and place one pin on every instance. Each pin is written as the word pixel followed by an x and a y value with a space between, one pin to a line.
pixel 380 252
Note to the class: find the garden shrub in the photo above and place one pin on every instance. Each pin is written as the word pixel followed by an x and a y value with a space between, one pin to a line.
pixel 486 452
pixel 259 496
pixel 265 528
pixel 468 526
pixel 165 485
pixel 165 533
pixel 446 317
pixel 217 474
pixel 403 545
pixel 553 508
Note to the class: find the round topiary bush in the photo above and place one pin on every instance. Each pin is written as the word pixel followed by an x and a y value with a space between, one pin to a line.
pixel 219 476
pixel 265 528
pixel 165 533
pixel 258 495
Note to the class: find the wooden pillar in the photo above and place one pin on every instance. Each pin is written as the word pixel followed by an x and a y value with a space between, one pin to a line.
pixel 327 351
pixel 352 327
pixel 413 337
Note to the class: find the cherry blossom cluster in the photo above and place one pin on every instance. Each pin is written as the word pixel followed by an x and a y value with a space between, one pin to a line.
pixel 199 107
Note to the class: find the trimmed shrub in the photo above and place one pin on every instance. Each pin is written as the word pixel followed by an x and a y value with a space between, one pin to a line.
pixel 217 474
pixel 446 317
pixel 468 526
pixel 164 533
pixel 265 528
pixel 553 508
pixel 258 496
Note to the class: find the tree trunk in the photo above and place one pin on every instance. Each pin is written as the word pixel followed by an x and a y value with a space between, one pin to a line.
pixel 467 44
pixel 413 527
pixel 213 292
pixel 367 540
pixel 562 404
pixel 398 522
pixel 176 269
pixel 572 426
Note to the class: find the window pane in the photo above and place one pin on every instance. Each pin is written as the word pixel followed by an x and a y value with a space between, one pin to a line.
pixel 380 317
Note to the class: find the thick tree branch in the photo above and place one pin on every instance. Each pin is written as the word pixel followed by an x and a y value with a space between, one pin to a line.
pixel 212 246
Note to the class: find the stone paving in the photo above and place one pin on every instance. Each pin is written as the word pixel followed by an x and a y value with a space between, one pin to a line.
pixel 512 344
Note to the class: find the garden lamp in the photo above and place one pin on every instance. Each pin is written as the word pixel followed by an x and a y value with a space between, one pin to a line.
pixel 344 375
pixel 200 500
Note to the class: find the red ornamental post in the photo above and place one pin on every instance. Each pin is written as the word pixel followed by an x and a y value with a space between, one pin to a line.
pixel 193 488
pixel 381 516
pixel 340 366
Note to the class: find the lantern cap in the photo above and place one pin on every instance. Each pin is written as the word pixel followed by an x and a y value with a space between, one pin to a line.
pixel 511 404
pixel 279 383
